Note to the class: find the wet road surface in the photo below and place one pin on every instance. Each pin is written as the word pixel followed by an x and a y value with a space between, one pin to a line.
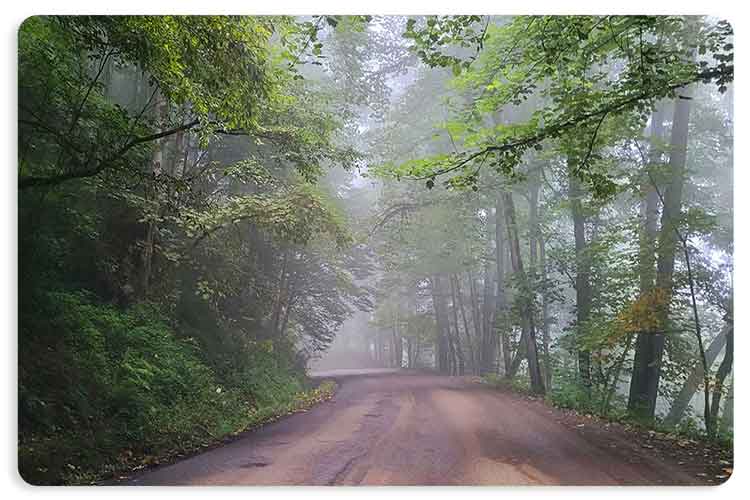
pixel 394 428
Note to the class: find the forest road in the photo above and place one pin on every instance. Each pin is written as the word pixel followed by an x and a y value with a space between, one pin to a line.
pixel 416 429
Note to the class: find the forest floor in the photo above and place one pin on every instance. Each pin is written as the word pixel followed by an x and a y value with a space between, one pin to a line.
pixel 403 428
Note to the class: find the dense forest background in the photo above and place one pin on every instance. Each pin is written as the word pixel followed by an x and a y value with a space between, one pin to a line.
pixel 205 203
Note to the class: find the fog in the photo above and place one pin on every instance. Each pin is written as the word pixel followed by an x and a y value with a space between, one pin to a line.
pixel 215 212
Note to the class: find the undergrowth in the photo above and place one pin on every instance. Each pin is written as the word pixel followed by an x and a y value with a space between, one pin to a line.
pixel 104 391
pixel 570 396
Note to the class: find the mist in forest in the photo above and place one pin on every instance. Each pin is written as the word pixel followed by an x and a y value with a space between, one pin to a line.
pixel 214 209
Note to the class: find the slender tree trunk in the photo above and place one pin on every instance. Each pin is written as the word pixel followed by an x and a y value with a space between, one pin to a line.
pixel 545 318
pixel 536 242
pixel 451 368
pixel 534 186
pixel 417 348
pixel 151 195
pixel 527 309
pixel 396 362
pixel 457 348
pixel 612 380
pixel 409 353
pixel 486 345
pixel 583 273
pixel 487 348
pixel 502 302
pixel 456 295
pixel 279 302
pixel 287 311
pixel 438 304
pixel 694 380
pixel 721 374
pixel 476 321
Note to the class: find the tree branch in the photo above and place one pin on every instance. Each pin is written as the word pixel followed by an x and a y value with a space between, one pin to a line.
pixel 39 181
pixel 556 130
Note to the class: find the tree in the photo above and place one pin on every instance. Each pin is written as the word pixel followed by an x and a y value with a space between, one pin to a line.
pixel 525 299
pixel 646 371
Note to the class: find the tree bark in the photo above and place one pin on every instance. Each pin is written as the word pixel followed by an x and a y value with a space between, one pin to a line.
pixel 474 302
pixel 457 349
pixel 438 304
pixel 456 294
pixel 545 318
pixel 694 380
pixel 527 309
pixel 488 345
pixel 721 374
pixel 151 195
pixel 501 296
pixel 647 252
pixel 644 386
pixel 583 274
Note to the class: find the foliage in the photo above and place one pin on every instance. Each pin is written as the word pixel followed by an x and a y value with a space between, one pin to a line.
pixel 585 69
pixel 181 254
pixel 514 384
pixel 131 387
pixel 295 215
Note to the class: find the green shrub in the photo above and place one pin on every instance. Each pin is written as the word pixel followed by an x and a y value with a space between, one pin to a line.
pixel 517 384
pixel 102 389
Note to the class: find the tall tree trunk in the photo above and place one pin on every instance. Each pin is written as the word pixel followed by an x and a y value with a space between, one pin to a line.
pixel 583 274
pixel 451 366
pixel 151 196
pixel 409 353
pixel 536 243
pixel 287 311
pixel 438 304
pixel 417 348
pixel 280 296
pixel 527 308
pixel 545 318
pixel 487 348
pixel 458 350
pixel 456 295
pixel 647 372
pixel 647 251
pixel 534 186
pixel 501 301
pixel 474 302
pixel 488 343
pixel 289 297
pixel 398 348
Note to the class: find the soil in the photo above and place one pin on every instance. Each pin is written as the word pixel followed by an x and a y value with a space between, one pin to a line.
pixel 400 428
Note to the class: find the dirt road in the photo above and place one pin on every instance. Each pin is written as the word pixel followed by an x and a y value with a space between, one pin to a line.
pixel 416 429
